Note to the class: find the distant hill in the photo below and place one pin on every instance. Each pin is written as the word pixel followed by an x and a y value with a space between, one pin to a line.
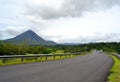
pixel 29 37
pixel 69 44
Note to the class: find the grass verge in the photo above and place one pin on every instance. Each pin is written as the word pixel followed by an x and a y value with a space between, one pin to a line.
pixel 32 60
pixel 115 71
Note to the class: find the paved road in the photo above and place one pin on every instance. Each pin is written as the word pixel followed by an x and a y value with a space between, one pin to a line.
pixel 89 68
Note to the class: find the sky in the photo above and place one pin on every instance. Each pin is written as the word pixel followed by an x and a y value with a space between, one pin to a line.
pixel 62 21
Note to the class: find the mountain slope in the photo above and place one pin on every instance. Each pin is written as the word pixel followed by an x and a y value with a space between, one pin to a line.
pixel 30 38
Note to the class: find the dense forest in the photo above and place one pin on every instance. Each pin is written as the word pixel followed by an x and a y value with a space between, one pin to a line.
pixel 23 49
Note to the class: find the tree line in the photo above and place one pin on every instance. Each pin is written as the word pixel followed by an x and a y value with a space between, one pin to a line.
pixel 105 46
pixel 23 49
pixel 12 49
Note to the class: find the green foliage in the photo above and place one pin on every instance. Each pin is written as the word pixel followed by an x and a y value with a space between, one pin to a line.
pixel 9 49
pixel 115 71
pixel 22 49
pixel 73 49
pixel 111 47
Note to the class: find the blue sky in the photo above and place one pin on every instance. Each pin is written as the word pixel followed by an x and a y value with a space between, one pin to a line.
pixel 63 21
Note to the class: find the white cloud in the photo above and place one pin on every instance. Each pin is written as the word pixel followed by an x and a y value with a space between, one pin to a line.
pixel 63 20
pixel 84 28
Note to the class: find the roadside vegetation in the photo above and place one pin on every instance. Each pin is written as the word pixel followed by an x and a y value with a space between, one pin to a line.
pixel 29 50
pixel 38 59
pixel 115 71
pixel 24 49
pixel 31 60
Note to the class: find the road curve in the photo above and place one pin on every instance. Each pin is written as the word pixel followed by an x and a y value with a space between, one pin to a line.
pixel 89 68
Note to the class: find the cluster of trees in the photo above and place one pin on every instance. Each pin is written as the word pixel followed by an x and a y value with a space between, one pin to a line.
pixel 72 48
pixel 111 46
pixel 10 49
pixel 105 46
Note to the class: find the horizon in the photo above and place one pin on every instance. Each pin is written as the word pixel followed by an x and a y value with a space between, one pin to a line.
pixel 61 43
pixel 65 21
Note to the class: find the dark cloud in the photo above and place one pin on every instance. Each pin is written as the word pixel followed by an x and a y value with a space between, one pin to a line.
pixel 70 8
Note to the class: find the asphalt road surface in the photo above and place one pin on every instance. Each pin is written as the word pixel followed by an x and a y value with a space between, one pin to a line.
pixel 90 68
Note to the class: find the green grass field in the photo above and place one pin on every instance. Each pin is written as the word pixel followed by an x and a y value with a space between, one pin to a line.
pixel 115 71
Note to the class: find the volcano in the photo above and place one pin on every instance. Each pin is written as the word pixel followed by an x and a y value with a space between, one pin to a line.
pixel 29 37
